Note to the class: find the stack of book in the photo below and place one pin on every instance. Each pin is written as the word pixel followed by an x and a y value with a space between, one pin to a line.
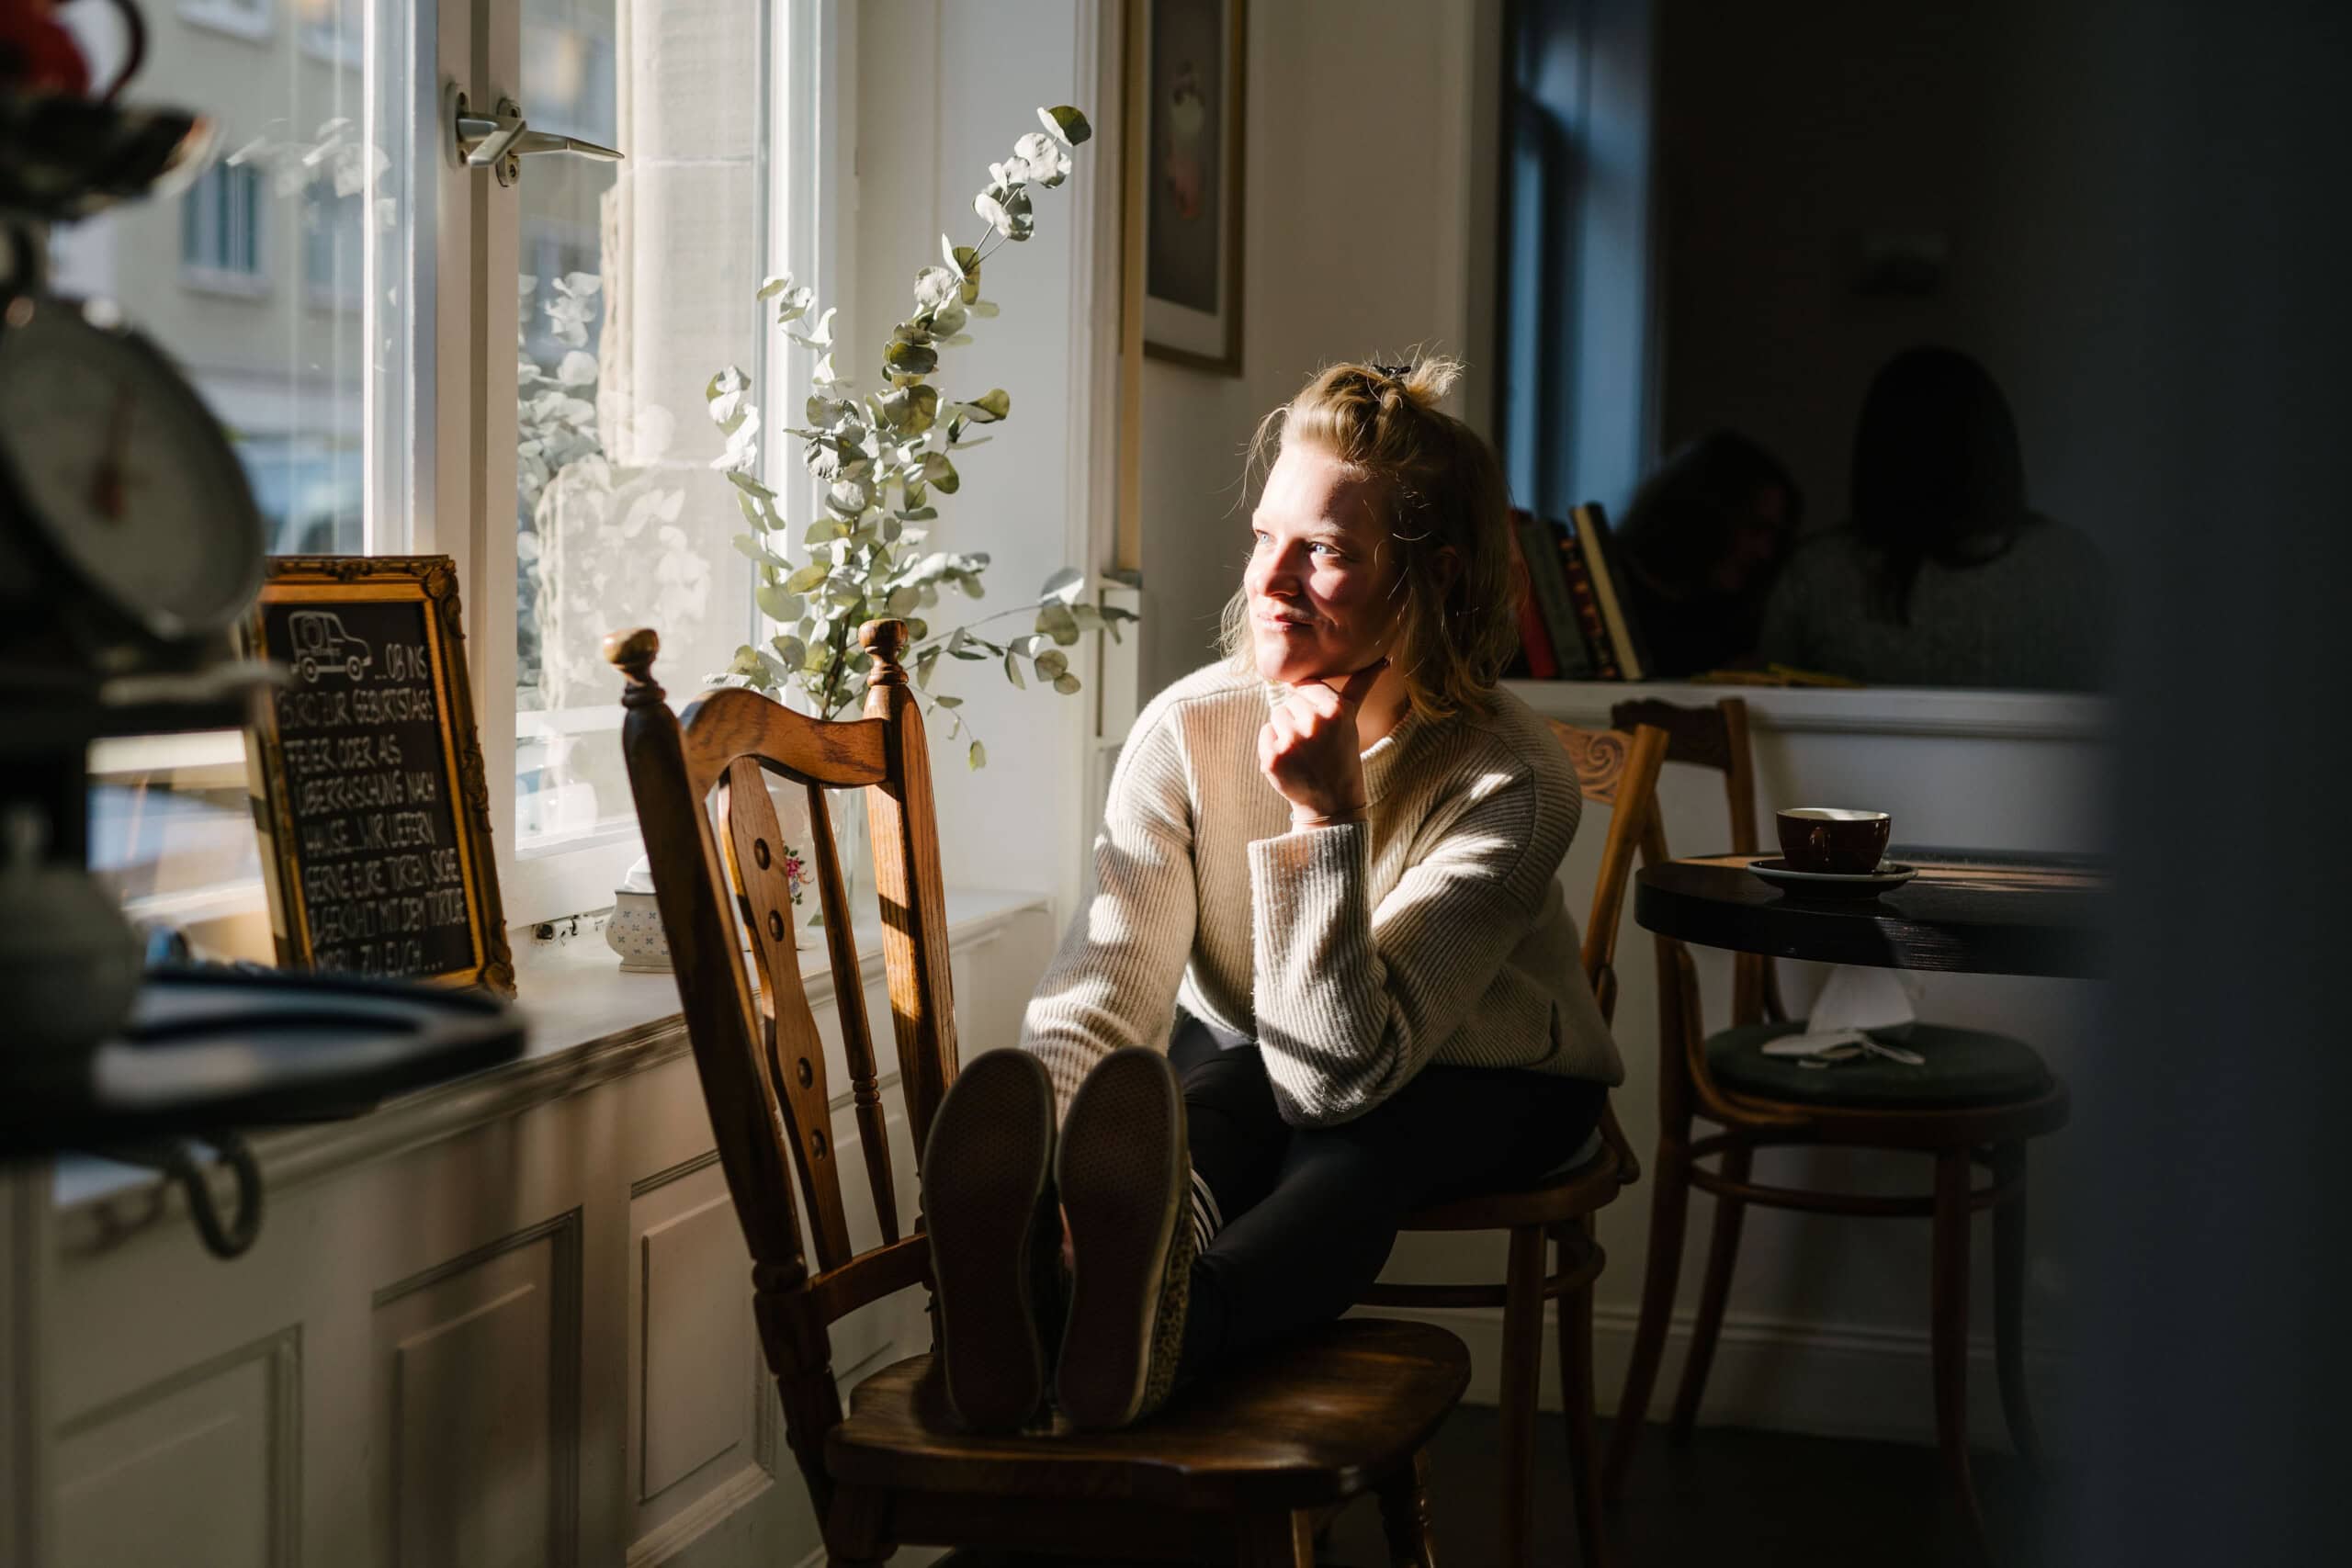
pixel 1574 624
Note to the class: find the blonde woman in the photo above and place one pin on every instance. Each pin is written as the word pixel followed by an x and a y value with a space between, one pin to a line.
pixel 1329 973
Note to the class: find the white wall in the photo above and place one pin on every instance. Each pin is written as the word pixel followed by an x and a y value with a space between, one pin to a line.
pixel 1368 230
pixel 944 89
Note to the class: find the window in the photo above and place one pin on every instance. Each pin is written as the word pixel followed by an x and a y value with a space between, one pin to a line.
pixel 331 237
pixel 577 497
pixel 333 30
pixel 637 285
pixel 220 229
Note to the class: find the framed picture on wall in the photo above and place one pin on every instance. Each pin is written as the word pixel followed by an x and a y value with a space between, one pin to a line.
pixel 1194 85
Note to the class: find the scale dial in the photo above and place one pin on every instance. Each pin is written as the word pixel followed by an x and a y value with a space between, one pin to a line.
pixel 110 458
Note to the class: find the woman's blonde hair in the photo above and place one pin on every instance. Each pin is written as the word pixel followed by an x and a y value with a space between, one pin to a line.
pixel 1443 491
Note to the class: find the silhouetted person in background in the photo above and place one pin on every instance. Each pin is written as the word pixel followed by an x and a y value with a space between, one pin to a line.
pixel 1705 537
pixel 1945 577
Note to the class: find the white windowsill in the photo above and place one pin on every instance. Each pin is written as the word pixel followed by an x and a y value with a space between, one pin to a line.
pixel 228 284
pixel 1871 710
pixel 589 1024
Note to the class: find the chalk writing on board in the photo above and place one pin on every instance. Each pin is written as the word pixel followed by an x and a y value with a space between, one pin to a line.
pixel 367 790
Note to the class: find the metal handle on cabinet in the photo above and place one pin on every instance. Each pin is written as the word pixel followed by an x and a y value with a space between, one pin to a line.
pixel 500 140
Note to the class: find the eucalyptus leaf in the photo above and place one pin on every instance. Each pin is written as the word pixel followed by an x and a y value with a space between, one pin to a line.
pixel 1066 684
pixel 948 702
pixel 1056 622
pixel 745 663
pixel 990 406
pixel 925 662
pixel 1041 159
pixel 749 485
pixel 1065 585
pixel 1067 125
pixel 903 357
pixel 1013 670
pixel 806 578
pixel 779 606
pixel 1052 664
pixel 724 393
pixel 978 756
pixel 791 651
pixel 940 473
pixel 749 546
pixel 935 286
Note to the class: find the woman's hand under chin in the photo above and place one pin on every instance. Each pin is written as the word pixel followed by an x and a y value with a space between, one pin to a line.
pixel 1309 750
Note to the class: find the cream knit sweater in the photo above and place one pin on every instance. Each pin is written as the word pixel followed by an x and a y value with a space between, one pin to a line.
pixel 1433 931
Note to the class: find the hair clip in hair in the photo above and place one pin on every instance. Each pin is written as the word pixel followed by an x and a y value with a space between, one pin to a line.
pixel 1394 372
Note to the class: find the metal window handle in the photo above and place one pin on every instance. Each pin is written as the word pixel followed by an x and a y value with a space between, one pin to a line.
pixel 501 140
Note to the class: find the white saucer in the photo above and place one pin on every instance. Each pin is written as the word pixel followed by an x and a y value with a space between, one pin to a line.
pixel 1833 884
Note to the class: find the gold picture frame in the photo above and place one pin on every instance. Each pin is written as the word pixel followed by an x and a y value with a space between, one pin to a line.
pixel 367 775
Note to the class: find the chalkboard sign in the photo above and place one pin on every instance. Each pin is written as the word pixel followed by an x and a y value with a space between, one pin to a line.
pixel 367 775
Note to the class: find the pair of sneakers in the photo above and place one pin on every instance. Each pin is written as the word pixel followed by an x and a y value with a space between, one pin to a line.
pixel 997 1182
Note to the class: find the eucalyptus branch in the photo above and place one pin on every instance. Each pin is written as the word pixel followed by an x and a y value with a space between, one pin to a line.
pixel 880 459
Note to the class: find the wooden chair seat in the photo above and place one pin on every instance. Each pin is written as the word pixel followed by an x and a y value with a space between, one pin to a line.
pixel 1312 1422
pixel 1964 1068
pixel 1583 1189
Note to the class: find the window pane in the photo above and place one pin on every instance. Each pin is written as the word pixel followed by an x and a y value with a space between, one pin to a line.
pixel 637 288
pixel 220 278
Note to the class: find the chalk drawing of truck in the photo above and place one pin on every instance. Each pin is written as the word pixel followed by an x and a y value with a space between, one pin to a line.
pixel 322 645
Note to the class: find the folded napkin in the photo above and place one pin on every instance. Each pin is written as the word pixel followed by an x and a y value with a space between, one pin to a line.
pixel 1852 1000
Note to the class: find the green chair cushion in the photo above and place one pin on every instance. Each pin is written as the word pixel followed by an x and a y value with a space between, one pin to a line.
pixel 1965 1067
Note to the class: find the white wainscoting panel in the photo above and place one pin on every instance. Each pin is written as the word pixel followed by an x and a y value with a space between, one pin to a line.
pixel 201 1469
pixel 703 1418
pixel 481 1365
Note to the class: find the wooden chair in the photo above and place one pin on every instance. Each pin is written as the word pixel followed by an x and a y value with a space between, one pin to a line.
pixel 1976 1102
pixel 1620 771
pixel 1245 1466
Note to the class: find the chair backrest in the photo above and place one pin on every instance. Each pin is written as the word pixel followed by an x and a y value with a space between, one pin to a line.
pixel 1716 737
pixel 758 1054
pixel 1618 770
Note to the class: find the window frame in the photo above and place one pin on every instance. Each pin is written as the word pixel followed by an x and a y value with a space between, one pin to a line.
pixel 209 272
pixel 802 43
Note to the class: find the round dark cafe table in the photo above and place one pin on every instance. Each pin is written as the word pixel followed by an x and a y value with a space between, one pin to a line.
pixel 1967 912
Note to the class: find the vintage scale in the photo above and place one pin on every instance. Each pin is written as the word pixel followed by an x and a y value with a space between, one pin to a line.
pixel 130 546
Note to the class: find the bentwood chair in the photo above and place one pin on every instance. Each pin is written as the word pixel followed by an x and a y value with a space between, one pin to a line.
pixel 1976 1101
pixel 1245 1466
pixel 1620 771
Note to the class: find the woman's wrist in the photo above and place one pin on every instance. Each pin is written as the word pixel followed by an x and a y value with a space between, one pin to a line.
pixel 1303 817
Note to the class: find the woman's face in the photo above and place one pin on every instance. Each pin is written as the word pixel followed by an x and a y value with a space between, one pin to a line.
pixel 1321 582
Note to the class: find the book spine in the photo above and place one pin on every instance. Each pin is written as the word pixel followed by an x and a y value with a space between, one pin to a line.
pixel 1534 639
pixel 1587 607
pixel 1549 590
pixel 1592 529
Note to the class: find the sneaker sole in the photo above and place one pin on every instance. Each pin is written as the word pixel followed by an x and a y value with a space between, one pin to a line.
pixel 1119 1169
pixel 985 1170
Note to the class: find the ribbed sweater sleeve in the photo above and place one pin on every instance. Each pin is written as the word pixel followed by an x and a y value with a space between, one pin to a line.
pixel 1352 1001
pixel 1113 982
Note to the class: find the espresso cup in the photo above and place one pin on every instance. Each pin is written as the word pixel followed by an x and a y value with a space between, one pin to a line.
pixel 1833 840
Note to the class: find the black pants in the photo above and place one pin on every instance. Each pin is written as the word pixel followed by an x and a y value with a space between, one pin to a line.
pixel 1309 1213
